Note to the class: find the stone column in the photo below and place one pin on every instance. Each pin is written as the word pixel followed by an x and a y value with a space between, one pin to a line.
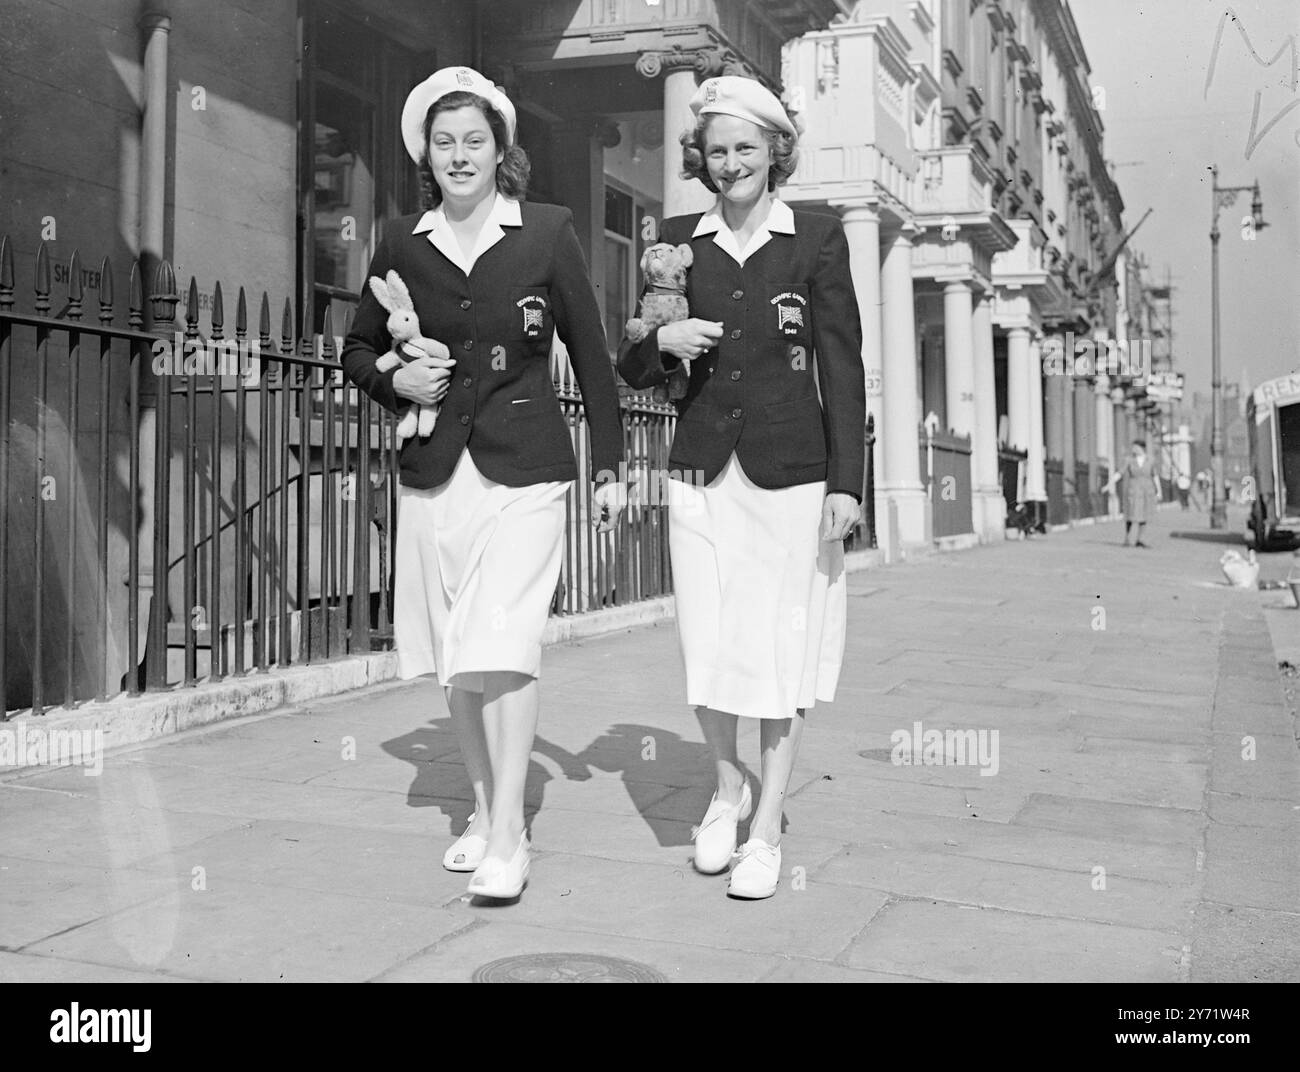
pixel 1067 442
pixel 1018 387
pixel 991 516
pixel 1105 451
pixel 959 358
pixel 679 70
pixel 1084 440
pixel 901 487
pixel 862 230
pixel 1035 477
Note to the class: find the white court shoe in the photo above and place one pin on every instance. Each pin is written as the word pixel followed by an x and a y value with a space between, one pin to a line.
pixel 758 873
pixel 502 880
pixel 715 839
pixel 466 852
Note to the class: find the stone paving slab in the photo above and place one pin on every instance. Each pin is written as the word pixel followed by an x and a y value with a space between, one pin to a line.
pixel 963 943
pixel 1034 890
pixel 1119 748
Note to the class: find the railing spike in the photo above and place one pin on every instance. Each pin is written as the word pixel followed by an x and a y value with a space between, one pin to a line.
pixel 264 320
pixel 192 307
pixel 286 328
pixel 241 314
pixel 164 295
pixel 105 291
pixel 6 273
pixel 42 279
pixel 218 311
pixel 327 337
pixel 134 298
pixel 75 291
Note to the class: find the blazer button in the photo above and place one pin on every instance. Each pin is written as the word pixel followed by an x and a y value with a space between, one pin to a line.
pixel 736 375
pixel 736 333
pixel 469 381
pixel 737 294
pixel 735 413
pixel 464 418
pixel 465 303
pixel 468 344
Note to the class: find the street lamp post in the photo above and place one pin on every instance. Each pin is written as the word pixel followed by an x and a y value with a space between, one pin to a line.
pixel 1223 196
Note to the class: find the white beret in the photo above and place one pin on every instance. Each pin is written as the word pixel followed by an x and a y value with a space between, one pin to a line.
pixel 437 86
pixel 744 98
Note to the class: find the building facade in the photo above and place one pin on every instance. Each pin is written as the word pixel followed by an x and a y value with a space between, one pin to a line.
pixel 256 145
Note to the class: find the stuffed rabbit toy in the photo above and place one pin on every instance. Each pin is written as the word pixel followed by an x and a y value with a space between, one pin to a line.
pixel 404 327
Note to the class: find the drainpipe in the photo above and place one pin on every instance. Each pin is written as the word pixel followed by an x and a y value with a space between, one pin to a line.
pixel 155 25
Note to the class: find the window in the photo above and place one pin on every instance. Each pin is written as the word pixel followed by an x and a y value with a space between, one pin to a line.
pixel 627 233
pixel 353 172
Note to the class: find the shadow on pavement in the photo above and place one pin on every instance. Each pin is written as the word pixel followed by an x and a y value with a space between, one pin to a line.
pixel 637 753
pixel 1223 536
pixel 441 781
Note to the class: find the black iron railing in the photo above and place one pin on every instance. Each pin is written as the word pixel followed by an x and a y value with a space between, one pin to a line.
pixel 183 506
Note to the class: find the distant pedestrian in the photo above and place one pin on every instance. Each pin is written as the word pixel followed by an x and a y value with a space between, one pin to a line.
pixel 1184 489
pixel 1141 490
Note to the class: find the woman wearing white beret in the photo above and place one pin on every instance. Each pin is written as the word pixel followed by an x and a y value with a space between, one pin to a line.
pixel 772 427
pixel 481 515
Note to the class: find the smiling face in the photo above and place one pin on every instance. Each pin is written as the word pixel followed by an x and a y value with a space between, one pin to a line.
pixel 738 156
pixel 464 155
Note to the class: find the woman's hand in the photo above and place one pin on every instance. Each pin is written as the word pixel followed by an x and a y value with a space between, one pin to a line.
pixel 424 380
pixel 839 514
pixel 611 498
pixel 688 339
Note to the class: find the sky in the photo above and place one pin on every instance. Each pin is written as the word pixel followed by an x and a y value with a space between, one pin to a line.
pixel 1153 59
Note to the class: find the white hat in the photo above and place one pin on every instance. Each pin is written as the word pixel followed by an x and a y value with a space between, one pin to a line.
pixel 437 86
pixel 744 98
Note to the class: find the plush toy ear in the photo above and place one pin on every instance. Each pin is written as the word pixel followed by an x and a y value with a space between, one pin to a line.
pixel 380 290
pixel 645 259
pixel 401 296
pixel 688 257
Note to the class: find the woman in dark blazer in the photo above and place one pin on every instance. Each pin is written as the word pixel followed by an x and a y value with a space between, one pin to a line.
pixel 481 518
pixel 769 444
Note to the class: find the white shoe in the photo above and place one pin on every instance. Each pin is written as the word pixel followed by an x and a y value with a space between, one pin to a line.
pixel 758 873
pixel 503 881
pixel 466 852
pixel 715 838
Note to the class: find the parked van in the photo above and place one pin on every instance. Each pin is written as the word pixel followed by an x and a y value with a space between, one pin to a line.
pixel 1273 421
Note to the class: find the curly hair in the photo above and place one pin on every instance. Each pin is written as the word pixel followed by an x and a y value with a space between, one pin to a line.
pixel 512 172
pixel 783 147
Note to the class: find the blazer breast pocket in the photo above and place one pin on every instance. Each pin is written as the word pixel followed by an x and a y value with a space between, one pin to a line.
pixel 533 321
pixel 788 312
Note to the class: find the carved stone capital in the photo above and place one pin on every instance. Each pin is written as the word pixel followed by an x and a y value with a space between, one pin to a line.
pixel 706 62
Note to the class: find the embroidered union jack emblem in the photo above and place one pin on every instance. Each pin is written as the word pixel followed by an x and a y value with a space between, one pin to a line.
pixel 532 320
pixel 464 78
pixel 789 318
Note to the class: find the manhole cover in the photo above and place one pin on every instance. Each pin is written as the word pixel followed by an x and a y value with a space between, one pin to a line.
pixel 566 968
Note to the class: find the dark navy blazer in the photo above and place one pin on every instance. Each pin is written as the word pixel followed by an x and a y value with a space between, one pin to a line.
pixel 498 324
pixel 755 392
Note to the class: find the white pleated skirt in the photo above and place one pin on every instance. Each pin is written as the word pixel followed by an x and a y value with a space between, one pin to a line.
pixel 476 568
pixel 762 600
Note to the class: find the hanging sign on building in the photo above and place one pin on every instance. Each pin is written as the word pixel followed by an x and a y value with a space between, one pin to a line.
pixel 1165 386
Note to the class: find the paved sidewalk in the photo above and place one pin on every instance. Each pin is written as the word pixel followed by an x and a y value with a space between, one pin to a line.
pixel 1123 836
